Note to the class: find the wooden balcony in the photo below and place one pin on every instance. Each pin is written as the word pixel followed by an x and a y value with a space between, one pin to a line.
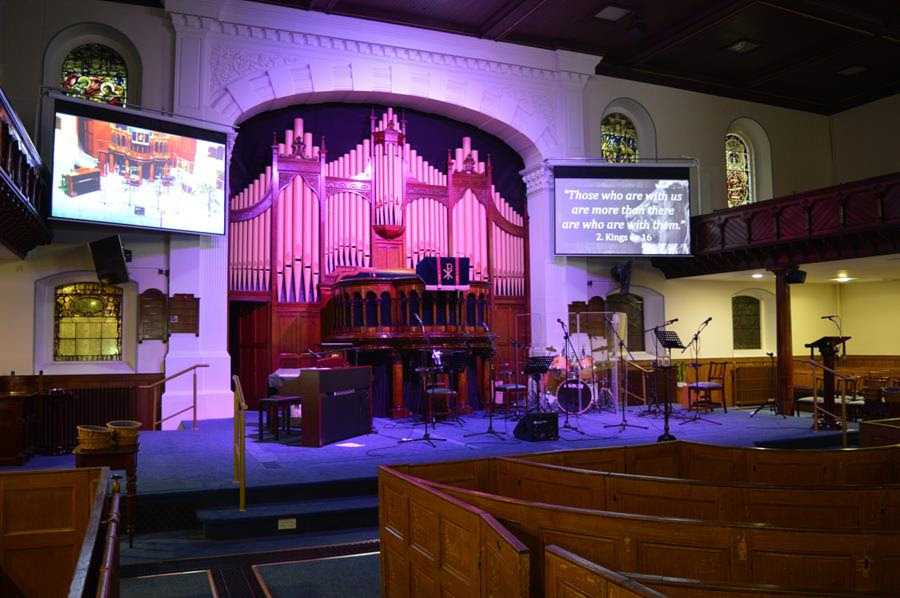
pixel 858 219
pixel 22 186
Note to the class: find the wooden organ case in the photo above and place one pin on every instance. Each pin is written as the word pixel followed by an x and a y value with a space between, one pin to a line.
pixel 325 250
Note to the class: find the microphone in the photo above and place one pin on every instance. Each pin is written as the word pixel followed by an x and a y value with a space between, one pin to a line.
pixel 829 317
pixel 485 326
pixel 672 321
pixel 418 319
pixel 559 320
pixel 707 320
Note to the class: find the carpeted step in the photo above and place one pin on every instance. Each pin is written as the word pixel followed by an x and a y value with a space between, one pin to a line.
pixel 290 517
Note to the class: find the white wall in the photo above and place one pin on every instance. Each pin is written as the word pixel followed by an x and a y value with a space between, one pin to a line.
pixel 68 254
pixel 865 140
pixel 694 124
pixel 871 313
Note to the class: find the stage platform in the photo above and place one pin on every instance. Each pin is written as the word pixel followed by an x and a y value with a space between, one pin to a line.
pixel 185 461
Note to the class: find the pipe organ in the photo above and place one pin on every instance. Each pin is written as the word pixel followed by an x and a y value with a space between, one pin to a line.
pixel 309 222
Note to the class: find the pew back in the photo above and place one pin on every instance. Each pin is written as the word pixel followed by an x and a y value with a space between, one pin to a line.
pixel 49 521
pixel 808 560
pixel 435 545
pixel 568 574
pixel 696 461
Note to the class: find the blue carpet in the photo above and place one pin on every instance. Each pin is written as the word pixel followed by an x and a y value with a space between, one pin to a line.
pixel 185 461
pixel 193 584
pixel 337 577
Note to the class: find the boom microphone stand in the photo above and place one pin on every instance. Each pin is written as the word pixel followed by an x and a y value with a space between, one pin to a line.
pixel 490 429
pixel 624 365
pixel 427 374
pixel 567 345
pixel 695 343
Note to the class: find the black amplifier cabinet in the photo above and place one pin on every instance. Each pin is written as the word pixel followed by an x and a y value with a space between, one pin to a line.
pixel 535 427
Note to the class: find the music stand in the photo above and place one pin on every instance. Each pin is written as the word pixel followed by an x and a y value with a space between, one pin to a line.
pixel 668 340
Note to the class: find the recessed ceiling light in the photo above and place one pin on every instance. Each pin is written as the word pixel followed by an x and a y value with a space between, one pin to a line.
pixel 843 278
pixel 612 13
pixel 853 70
pixel 756 275
pixel 742 46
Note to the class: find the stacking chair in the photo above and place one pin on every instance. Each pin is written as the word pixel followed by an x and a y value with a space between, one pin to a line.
pixel 715 382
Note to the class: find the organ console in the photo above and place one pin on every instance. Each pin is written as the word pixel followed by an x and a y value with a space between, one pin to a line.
pixel 331 246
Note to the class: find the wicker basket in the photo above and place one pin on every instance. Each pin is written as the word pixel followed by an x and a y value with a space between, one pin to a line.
pixel 124 431
pixel 94 438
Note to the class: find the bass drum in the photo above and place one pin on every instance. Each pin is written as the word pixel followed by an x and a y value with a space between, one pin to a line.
pixel 574 396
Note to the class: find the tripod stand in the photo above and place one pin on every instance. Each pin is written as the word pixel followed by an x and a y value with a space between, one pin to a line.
pixel 427 373
pixel 624 365
pixel 668 340
pixel 771 403
pixel 695 343
pixel 490 403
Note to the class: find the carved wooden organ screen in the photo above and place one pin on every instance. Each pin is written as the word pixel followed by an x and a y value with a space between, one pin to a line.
pixel 380 206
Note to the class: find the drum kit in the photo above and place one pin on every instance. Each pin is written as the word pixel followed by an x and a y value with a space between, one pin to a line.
pixel 572 385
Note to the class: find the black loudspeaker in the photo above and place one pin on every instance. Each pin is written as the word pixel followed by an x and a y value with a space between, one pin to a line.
pixel 795 276
pixel 535 427
pixel 109 260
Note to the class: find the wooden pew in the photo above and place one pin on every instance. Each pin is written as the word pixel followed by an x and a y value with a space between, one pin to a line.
pixel 52 530
pixel 567 574
pixel 782 467
pixel 808 560
pixel 435 545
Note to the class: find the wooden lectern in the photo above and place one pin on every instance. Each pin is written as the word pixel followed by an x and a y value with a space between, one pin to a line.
pixel 828 347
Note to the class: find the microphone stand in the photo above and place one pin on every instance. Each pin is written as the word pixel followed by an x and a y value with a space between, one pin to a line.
pixel 771 402
pixel 695 342
pixel 567 344
pixel 490 429
pixel 624 393
pixel 427 374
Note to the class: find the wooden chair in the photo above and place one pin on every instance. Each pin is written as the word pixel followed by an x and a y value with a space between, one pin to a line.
pixel 715 382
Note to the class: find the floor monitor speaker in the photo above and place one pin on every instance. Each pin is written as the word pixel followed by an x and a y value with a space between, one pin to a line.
pixel 535 427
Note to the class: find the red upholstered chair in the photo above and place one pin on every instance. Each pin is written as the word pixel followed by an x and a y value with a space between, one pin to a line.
pixel 715 382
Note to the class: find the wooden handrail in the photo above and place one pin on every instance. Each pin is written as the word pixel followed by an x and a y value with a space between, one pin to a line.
pixel 107 584
pixel 827 369
pixel 239 446
pixel 175 375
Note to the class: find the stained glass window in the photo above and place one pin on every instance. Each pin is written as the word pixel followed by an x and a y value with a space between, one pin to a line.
pixel 620 138
pixel 738 171
pixel 745 322
pixel 633 307
pixel 88 322
pixel 95 72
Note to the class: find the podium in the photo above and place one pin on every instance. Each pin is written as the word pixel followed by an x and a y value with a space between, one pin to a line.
pixel 828 348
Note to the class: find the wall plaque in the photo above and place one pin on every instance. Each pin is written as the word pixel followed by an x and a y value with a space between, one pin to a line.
pixel 184 314
pixel 153 309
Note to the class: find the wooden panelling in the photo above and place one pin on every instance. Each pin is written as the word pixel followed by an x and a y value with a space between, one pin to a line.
pixel 295 328
pixel 434 545
pixel 782 467
pixel 879 432
pixel 44 520
pixel 567 575
pixel 808 560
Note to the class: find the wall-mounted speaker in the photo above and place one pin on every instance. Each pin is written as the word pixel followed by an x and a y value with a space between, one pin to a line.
pixel 109 260
pixel 795 276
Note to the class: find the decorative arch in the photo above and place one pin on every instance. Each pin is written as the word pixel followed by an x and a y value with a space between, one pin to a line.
pixel 643 124
pixel 66 40
pixel 759 149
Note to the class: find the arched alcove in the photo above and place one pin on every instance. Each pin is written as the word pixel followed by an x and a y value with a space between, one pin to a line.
pixel 766 318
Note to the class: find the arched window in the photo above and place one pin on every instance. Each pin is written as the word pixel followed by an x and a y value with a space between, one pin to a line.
pixel 738 170
pixel 95 72
pixel 620 138
pixel 87 322
pixel 746 322
pixel 633 307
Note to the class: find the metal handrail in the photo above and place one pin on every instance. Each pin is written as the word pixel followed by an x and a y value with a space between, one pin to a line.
pixel 239 447
pixel 193 406
pixel 815 398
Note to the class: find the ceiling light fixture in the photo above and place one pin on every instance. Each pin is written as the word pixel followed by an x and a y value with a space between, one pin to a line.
pixel 856 69
pixel 843 278
pixel 742 46
pixel 756 275
pixel 612 13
